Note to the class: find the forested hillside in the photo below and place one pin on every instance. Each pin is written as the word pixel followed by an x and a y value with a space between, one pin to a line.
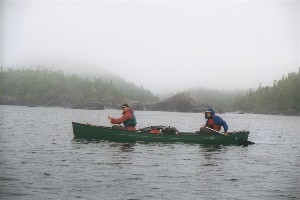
pixel 221 101
pixel 53 88
pixel 282 98
pixel 43 87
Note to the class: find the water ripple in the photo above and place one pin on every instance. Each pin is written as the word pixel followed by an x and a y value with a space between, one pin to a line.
pixel 39 159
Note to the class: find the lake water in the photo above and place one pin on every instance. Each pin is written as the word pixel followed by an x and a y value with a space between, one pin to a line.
pixel 40 160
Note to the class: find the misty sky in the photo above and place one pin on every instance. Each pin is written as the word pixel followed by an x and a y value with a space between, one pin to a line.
pixel 162 45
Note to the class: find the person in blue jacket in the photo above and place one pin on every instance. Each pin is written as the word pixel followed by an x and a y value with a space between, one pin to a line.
pixel 215 122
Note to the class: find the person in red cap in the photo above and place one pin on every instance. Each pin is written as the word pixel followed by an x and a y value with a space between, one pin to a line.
pixel 128 119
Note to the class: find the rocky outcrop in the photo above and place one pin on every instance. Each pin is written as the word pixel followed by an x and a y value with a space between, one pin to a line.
pixel 182 102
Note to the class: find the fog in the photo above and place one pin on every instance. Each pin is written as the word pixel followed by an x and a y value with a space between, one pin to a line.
pixel 160 45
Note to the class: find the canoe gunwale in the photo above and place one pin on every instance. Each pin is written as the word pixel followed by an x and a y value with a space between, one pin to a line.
pixel 89 131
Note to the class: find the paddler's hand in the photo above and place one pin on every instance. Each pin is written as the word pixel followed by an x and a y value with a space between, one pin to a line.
pixel 109 118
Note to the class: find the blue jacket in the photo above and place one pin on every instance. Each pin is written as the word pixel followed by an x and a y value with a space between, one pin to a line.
pixel 217 120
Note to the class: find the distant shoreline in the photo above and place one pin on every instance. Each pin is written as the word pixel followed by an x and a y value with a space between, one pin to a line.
pixel 104 108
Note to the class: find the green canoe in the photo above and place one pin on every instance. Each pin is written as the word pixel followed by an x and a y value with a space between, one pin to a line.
pixel 205 136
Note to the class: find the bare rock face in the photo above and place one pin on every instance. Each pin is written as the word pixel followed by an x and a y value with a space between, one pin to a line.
pixel 182 102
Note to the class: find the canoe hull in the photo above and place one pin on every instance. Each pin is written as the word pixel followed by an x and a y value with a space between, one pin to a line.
pixel 87 131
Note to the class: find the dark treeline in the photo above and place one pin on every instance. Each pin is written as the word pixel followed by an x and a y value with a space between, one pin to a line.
pixel 43 87
pixel 282 98
pixel 221 101
pixel 52 88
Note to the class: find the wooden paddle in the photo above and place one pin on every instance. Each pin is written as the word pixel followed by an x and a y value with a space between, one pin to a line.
pixel 241 141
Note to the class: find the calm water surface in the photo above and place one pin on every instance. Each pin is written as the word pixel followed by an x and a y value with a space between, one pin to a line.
pixel 40 160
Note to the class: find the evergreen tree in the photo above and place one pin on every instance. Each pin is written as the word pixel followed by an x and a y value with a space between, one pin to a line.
pixel 41 86
pixel 283 97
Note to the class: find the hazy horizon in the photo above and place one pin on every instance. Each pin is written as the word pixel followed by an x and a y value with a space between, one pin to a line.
pixel 163 46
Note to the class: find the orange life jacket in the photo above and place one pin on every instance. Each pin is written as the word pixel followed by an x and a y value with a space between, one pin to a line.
pixel 211 124
pixel 154 131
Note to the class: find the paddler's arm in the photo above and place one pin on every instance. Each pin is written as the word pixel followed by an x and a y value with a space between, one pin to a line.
pixel 219 121
pixel 119 120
